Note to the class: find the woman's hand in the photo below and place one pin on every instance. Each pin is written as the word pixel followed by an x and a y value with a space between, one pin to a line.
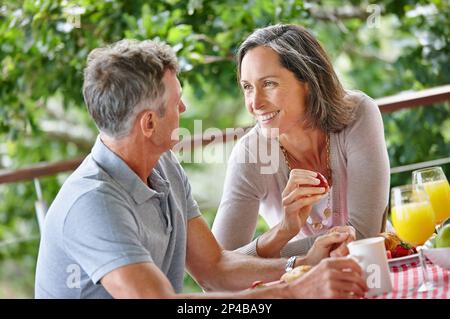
pixel 324 245
pixel 341 250
pixel 298 197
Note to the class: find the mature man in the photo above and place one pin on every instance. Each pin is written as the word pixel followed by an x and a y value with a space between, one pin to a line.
pixel 125 224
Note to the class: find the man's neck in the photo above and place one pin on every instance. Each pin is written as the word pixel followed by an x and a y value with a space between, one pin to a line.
pixel 133 152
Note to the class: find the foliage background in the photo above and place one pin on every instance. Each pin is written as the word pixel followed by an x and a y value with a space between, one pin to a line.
pixel 42 54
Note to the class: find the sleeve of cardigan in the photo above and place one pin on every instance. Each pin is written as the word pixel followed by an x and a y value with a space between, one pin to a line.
pixel 368 172
pixel 235 222
pixel 299 247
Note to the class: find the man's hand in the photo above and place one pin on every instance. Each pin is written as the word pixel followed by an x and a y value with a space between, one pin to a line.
pixel 331 278
pixel 341 250
pixel 324 245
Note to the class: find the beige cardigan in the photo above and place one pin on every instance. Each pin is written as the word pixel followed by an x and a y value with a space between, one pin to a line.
pixel 359 196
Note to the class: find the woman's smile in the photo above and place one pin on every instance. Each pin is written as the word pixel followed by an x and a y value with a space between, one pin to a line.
pixel 267 118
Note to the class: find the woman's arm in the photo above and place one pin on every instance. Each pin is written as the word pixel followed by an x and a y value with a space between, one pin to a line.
pixel 297 201
pixel 235 222
pixel 245 186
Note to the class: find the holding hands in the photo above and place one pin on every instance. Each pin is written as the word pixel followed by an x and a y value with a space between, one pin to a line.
pixel 332 244
pixel 338 277
pixel 340 249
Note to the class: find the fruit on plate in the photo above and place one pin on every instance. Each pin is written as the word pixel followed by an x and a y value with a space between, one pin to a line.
pixel 391 240
pixel 295 273
pixel 442 239
pixel 402 250
pixel 395 247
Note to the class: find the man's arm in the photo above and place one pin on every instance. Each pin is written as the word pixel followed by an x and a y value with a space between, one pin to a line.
pixel 217 269
pixel 145 280
pixel 211 266
pixel 142 280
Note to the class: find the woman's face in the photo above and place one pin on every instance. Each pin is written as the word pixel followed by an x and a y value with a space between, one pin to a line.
pixel 273 95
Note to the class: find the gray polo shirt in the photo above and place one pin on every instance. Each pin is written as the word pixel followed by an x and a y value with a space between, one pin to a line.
pixel 104 217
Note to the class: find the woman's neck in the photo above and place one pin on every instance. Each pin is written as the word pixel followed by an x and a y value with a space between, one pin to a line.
pixel 306 148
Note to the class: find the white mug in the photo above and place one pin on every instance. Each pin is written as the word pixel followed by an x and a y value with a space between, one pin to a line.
pixel 371 255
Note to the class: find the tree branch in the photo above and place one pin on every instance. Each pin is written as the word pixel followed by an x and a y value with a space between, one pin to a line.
pixel 340 13
pixel 83 143
pixel 213 59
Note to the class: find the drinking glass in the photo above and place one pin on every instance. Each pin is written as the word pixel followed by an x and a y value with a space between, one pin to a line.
pixel 412 214
pixel 414 221
pixel 436 185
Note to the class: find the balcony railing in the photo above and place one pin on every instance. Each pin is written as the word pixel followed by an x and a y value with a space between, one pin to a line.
pixel 386 104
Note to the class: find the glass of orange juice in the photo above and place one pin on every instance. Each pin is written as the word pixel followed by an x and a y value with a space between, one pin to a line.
pixel 412 214
pixel 436 185
pixel 414 222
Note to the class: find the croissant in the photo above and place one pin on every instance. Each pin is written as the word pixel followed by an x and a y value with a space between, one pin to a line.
pixel 391 240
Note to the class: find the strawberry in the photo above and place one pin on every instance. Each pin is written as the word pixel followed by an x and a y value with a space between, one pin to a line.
pixel 401 251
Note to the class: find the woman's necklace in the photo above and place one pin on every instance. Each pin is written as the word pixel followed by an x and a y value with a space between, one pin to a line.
pixel 327 211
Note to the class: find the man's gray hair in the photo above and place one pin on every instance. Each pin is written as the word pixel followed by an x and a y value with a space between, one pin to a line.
pixel 124 79
pixel 327 104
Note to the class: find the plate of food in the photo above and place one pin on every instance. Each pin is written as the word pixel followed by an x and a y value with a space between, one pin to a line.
pixel 398 252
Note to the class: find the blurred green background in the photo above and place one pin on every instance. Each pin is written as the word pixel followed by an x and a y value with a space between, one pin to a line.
pixel 381 48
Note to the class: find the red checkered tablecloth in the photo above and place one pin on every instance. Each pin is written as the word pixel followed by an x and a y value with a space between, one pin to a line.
pixel 407 278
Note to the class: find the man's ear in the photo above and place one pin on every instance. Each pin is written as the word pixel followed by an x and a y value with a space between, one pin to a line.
pixel 148 123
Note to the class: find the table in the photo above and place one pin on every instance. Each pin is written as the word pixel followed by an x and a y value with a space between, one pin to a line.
pixel 407 277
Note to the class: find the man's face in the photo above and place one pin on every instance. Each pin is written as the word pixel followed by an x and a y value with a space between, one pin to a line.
pixel 167 124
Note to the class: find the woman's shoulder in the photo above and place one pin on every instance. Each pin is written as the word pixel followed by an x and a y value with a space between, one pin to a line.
pixel 367 121
pixel 248 143
pixel 361 100
pixel 365 108
pixel 256 153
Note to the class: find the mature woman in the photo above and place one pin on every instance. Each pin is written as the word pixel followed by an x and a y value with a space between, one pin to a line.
pixel 299 105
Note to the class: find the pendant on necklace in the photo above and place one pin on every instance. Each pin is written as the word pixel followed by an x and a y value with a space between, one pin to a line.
pixel 317 226
pixel 327 212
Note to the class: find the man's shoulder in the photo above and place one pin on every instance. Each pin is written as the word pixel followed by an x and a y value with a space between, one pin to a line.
pixel 169 164
pixel 88 180
pixel 169 159
pixel 88 177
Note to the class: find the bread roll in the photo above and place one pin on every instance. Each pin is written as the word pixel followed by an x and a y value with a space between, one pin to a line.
pixel 295 273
